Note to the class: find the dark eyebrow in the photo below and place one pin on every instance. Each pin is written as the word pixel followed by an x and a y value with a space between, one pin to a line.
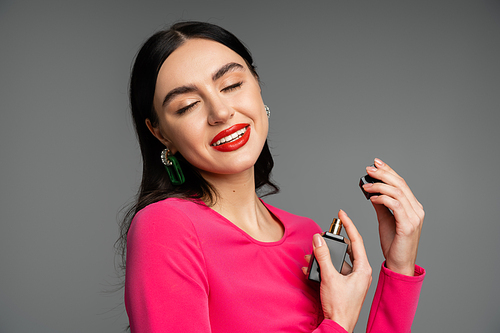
pixel 178 91
pixel 232 66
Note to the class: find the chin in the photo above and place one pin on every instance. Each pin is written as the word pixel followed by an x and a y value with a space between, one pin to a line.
pixel 234 168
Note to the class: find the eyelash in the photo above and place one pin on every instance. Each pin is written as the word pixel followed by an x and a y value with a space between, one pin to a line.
pixel 227 89
pixel 186 108
pixel 232 87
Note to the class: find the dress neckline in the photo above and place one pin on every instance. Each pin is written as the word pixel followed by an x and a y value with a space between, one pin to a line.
pixel 244 233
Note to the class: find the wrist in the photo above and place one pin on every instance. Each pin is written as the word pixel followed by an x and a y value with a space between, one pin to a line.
pixel 345 321
pixel 345 326
pixel 408 270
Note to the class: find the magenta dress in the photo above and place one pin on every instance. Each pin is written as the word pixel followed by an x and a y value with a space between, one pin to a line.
pixel 189 269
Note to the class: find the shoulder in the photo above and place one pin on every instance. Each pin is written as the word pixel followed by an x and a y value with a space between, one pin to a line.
pixel 169 207
pixel 166 219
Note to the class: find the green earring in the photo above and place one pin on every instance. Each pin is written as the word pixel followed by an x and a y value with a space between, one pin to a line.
pixel 173 168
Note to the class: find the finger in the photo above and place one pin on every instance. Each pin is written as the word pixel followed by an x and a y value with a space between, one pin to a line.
pixel 406 220
pixel 322 255
pixel 349 250
pixel 349 246
pixel 385 173
pixel 383 213
pixel 397 181
pixel 379 164
pixel 307 257
pixel 394 193
pixel 359 258
pixel 401 207
pixel 346 269
pixel 387 225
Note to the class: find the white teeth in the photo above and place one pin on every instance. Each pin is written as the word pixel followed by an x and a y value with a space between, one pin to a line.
pixel 231 137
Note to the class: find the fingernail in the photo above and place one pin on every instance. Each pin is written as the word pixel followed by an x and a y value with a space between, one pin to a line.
pixel 367 185
pixel 379 162
pixel 370 168
pixel 317 240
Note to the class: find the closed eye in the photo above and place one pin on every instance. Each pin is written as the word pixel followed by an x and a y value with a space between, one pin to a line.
pixel 232 87
pixel 186 108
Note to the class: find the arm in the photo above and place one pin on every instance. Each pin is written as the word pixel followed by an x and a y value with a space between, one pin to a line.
pixel 395 301
pixel 400 218
pixel 166 289
pixel 394 304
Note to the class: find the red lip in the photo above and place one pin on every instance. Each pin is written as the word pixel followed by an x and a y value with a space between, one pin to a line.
pixel 230 146
pixel 227 131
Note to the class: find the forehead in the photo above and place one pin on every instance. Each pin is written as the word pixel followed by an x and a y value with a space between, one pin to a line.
pixel 195 60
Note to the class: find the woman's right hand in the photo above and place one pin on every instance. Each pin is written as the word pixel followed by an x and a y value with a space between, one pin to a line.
pixel 342 296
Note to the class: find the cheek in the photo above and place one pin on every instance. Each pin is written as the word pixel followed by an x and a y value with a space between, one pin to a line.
pixel 253 106
pixel 185 136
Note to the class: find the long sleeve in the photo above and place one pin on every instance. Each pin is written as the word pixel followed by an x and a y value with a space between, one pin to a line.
pixel 329 326
pixel 395 301
pixel 166 288
pixel 393 306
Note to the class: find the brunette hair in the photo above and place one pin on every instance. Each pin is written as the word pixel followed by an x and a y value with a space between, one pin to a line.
pixel 156 185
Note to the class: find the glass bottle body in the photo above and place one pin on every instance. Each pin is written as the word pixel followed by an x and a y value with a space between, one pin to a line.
pixel 338 249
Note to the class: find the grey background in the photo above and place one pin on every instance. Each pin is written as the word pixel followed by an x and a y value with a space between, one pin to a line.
pixel 414 83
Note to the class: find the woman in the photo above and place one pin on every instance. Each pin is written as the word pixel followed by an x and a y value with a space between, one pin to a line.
pixel 204 253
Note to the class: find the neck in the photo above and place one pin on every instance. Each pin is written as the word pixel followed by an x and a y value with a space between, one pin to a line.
pixel 235 192
pixel 238 202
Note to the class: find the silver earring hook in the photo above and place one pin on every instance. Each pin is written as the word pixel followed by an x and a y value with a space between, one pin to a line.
pixel 165 153
pixel 268 112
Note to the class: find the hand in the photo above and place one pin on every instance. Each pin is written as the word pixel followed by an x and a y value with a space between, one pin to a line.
pixel 342 296
pixel 400 229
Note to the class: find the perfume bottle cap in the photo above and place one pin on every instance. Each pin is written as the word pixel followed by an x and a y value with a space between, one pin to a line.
pixel 336 226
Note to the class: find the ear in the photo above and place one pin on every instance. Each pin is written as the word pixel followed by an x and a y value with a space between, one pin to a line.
pixel 159 135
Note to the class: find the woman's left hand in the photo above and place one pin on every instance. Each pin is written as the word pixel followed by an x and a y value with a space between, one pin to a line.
pixel 400 229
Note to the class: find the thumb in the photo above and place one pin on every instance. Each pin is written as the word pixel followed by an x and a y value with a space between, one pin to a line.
pixel 322 255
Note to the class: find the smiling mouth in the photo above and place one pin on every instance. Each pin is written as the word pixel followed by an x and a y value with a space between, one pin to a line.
pixel 231 137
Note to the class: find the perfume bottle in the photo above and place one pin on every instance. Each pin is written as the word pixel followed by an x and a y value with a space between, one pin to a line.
pixel 337 246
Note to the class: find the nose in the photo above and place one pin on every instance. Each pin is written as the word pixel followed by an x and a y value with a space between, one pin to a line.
pixel 219 112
